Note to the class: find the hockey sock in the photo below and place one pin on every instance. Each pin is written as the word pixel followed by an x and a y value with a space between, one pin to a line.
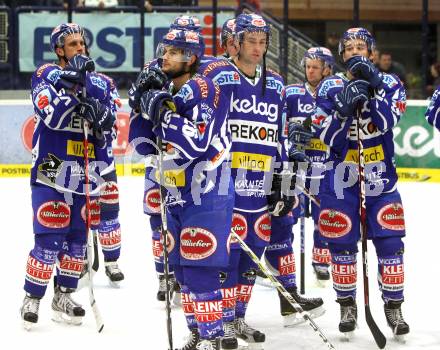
pixel 208 313
pixel 229 286
pixel 390 267
pixel 344 272
pixel 321 256
pixel 70 263
pixel 41 261
pixel 110 237
pixel 246 280
pixel 188 308
pixel 281 261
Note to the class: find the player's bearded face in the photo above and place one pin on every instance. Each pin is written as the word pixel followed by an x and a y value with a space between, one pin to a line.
pixel 253 47
pixel 315 71
pixel 355 47
pixel 73 44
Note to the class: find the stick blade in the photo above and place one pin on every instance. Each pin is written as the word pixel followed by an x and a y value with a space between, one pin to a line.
pixel 380 339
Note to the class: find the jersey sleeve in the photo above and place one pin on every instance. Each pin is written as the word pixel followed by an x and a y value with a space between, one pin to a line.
pixel 54 107
pixel 388 103
pixel 325 122
pixel 141 136
pixel 432 113
pixel 192 128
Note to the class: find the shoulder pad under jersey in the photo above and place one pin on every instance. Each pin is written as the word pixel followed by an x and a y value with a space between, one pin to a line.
pixel 391 81
pixel 48 72
pixel 211 68
pixel 295 89
pixel 330 86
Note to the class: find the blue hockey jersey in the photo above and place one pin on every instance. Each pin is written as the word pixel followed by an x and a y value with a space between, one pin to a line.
pixel 257 126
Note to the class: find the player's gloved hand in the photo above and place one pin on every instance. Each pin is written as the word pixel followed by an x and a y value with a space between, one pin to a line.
pixel 98 115
pixel 299 135
pixel 279 203
pixel 362 68
pixel 80 63
pixel 149 78
pixel 74 73
pixel 353 95
pixel 156 104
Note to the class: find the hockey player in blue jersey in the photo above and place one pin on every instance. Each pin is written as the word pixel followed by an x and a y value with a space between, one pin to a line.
pixel 227 41
pixel 377 101
pixel 191 120
pixel 57 174
pixel 433 111
pixel 279 254
pixel 256 121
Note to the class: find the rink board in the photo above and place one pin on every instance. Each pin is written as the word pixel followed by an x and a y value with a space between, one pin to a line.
pixel 417 144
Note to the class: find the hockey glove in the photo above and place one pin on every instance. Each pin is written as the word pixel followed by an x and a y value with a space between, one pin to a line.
pixel 155 104
pixel 149 78
pixel 75 72
pixel 98 115
pixel 81 63
pixel 362 68
pixel 354 94
pixel 299 135
pixel 279 204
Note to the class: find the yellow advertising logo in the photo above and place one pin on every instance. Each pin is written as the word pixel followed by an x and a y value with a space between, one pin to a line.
pixel 76 148
pixel 317 145
pixel 251 161
pixel 371 155
pixel 172 178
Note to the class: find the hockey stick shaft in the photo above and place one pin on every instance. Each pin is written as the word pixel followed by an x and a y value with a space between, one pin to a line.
pixel 303 244
pixel 282 290
pixel 90 238
pixel 377 334
pixel 165 247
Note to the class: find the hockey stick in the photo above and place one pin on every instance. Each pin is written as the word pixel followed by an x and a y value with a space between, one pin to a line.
pixel 165 246
pixel 377 334
pixel 90 236
pixel 282 290
pixel 95 265
pixel 303 243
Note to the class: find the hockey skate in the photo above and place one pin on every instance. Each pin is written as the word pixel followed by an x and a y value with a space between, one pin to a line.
pixel 208 344
pixel 29 311
pixel 291 317
pixel 254 338
pixel 348 316
pixel 393 314
pixel 322 275
pixel 65 309
pixel 229 340
pixel 191 340
pixel 163 287
pixel 113 273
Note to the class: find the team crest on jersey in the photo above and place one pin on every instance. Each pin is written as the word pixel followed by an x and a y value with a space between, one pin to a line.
pixel 197 243
pixel 329 84
pixel 185 93
pixel 274 84
pixel 391 217
pixel 225 78
pixel 295 90
pixel 333 223
pixel 262 227
pixel 54 214
pixel 50 166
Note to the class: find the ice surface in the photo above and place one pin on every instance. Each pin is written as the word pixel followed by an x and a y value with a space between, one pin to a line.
pixel 135 320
